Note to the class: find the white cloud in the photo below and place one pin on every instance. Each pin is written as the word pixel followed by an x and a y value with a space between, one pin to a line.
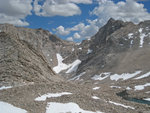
pixel 69 39
pixel 81 30
pixel 15 11
pixel 76 36
pixel 130 10
pixel 82 1
pixel 56 8
pixel 61 31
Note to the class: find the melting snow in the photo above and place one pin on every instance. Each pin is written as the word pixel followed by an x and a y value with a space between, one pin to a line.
pixel 147 92
pixel 142 35
pixel 102 76
pixel 115 87
pixel 140 30
pixel 50 95
pixel 128 88
pixel 54 107
pixel 80 48
pixel 61 66
pixel 89 51
pixel 130 35
pixel 4 87
pixel 118 104
pixel 8 108
pixel 95 97
pixel 72 49
pixel 74 66
pixel 124 76
pixel 141 87
pixel 96 88
pixel 148 99
pixel 144 76
pixel 78 76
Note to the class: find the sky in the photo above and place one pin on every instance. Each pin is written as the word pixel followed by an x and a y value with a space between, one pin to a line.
pixel 72 20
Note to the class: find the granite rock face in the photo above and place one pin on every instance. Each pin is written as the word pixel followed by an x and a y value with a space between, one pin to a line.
pixel 118 47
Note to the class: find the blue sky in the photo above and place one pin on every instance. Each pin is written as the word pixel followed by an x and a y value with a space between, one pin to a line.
pixel 73 20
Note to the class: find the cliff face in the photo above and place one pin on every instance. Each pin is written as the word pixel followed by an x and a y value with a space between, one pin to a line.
pixel 117 47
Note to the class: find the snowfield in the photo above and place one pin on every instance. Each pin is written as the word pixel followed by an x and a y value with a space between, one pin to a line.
pixel 54 107
pixel 50 95
pixel 143 76
pixel 96 88
pixel 78 76
pixel 142 35
pixel 74 66
pixel 89 51
pixel 102 76
pixel 8 108
pixel 62 66
pixel 124 76
pixel 141 87
pixel 4 87
pixel 148 99
pixel 95 97
pixel 118 104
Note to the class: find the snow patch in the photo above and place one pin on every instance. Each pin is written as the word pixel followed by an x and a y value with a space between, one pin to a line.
pixel 72 49
pixel 80 48
pixel 74 66
pixel 95 97
pixel 118 104
pixel 96 88
pixel 141 87
pixel 102 76
pixel 54 107
pixel 128 88
pixel 8 108
pixel 89 51
pixel 51 95
pixel 61 66
pixel 78 76
pixel 4 87
pixel 147 92
pixel 148 99
pixel 115 87
pixel 140 30
pixel 124 76
pixel 143 76
pixel 142 35
pixel 130 35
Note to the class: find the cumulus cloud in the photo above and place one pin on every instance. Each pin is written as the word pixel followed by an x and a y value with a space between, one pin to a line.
pixel 128 10
pixel 81 30
pixel 57 7
pixel 69 39
pixel 76 36
pixel 61 31
pixel 15 11
pixel 82 1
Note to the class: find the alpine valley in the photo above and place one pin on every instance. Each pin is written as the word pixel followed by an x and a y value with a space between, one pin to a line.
pixel 108 73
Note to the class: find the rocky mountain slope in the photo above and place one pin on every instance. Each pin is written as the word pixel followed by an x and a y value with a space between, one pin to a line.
pixel 107 73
